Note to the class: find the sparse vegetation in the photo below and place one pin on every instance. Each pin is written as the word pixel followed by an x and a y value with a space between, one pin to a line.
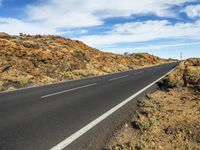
pixel 141 145
pixel 19 80
pixel 166 119
pixel 11 88
pixel 4 35
pixel 188 73
pixel 81 55
pixel 176 78
pixel 144 124
pixel 145 103
pixel 48 59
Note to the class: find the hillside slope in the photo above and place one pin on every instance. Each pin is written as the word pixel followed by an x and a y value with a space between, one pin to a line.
pixel 36 60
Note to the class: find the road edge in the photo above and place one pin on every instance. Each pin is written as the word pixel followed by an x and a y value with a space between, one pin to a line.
pixel 63 144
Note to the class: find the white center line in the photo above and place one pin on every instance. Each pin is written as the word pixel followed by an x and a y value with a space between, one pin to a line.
pixel 80 87
pixel 118 78
pixel 63 144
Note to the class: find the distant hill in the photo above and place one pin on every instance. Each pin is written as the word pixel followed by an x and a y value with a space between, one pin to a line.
pixel 27 60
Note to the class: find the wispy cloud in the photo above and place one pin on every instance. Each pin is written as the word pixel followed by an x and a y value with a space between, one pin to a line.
pixel 192 11
pixel 52 15
pixel 156 20
pixel 16 26
pixel 145 31
pixel 149 47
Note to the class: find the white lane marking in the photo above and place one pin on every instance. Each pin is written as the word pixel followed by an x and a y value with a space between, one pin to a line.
pixel 80 87
pixel 86 128
pixel 118 78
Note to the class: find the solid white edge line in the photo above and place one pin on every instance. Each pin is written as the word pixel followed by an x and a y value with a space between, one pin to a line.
pixel 118 78
pixel 80 87
pixel 86 128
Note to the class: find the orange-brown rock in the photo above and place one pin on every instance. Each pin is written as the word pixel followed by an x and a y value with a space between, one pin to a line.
pixel 36 60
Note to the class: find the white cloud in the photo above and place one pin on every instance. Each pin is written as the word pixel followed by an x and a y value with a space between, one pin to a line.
pixel 79 13
pixel 150 47
pixel 70 16
pixel 192 11
pixel 145 31
pixel 16 26
pixel 161 46
pixel 62 13
pixel 49 16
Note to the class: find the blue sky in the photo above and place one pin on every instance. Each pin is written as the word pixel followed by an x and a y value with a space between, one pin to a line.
pixel 164 28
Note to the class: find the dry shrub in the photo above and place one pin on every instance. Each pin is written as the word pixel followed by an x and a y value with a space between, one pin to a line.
pixel 187 73
pixel 19 80
pixel 193 75
pixel 47 80
pixel 30 44
pixel 51 58
pixel 1 85
pixel 11 88
pixel 176 78
pixel 4 35
pixel 81 55
pixel 16 79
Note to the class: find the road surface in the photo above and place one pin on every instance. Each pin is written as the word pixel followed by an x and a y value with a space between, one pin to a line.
pixel 47 117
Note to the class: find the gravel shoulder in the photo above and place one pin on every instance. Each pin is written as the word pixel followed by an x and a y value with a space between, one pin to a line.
pixel 166 120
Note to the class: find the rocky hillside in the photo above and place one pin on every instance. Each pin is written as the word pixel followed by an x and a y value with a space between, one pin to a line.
pixel 27 60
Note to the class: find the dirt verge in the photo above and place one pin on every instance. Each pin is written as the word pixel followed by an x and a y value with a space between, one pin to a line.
pixel 167 119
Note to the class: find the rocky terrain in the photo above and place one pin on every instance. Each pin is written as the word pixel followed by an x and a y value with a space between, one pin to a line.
pixel 27 60
pixel 168 119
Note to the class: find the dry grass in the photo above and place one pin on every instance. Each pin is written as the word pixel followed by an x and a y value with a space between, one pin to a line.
pixel 174 125
pixel 187 73
pixel 52 58
pixel 193 74
pixel 1 85
pixel 168 120
pixel 145 103
pixel 16 78
pixel 22 80
pixel 176 78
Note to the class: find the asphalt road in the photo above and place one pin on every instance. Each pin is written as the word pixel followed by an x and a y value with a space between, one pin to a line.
pixel 40 118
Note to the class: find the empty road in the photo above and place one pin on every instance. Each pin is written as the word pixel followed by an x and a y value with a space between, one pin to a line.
pixel 53 116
